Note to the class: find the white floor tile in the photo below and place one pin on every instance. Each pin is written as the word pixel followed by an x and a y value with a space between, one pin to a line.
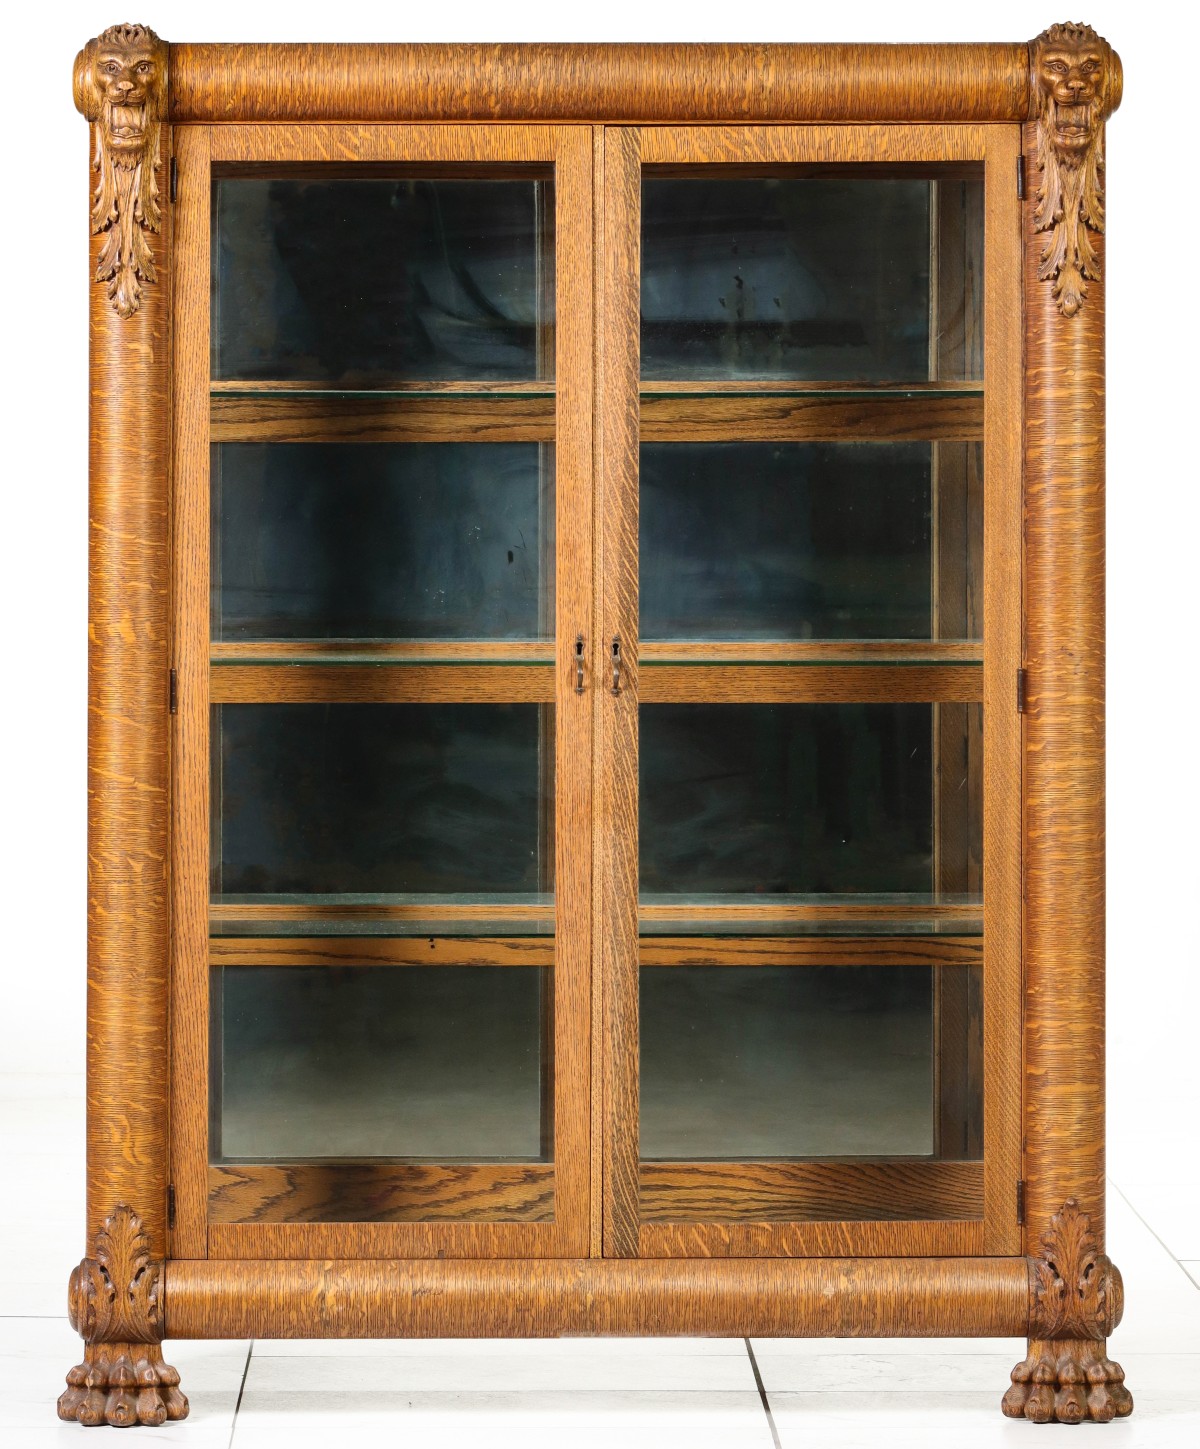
pixel 548 1420
pixel 611 1365
pixel 950 1420
pixel 35 1354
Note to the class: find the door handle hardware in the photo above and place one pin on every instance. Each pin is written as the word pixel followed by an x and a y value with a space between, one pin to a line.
pixel 578 663
pixel 616 663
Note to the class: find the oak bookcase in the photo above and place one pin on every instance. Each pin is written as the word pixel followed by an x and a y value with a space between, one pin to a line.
pixel 596 746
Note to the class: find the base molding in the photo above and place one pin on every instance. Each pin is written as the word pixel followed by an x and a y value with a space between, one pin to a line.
pixel 1067 1380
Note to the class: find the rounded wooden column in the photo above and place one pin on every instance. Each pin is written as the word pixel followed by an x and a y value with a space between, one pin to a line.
pixel 128 673
pixel 1064 730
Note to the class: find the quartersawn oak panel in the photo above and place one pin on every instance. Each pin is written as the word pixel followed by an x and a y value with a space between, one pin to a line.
pixel 364 1192
pixel 790 419
pixel 810 684
pixel 395 419
pixel 781 1191
pixel 381 950
pixel 875 1238
pixel 811 951
pixel 381 684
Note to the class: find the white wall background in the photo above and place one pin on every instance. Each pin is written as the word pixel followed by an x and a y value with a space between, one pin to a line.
pixel 1153 478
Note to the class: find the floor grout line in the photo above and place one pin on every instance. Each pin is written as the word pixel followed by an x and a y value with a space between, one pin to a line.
pixel 1178 1263
pixel 241 1391
pixel 762 1394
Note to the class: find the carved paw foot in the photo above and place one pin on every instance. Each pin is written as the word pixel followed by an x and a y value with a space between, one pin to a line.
pixel 122 1384
pixel 1067 1381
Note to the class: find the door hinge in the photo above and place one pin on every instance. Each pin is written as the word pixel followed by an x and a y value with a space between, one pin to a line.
pixel 173 179
pixel 1022 689
pixel 173 692
pixel 1020 178
pixel 170 1205
pixel 1021 1203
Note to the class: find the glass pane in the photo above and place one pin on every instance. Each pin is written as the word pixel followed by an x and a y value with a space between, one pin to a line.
pixel 381 798
pixel 796 799
pixel 787 541
pixel 356 1061
pixel 782 1061
pixel 382 541
pixel 375 281
pixel 801 277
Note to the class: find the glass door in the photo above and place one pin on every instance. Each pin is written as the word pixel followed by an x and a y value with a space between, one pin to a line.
pixel 814 468
pixel 378 632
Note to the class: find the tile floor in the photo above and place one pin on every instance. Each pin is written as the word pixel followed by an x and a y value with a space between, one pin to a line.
pixel 723 1393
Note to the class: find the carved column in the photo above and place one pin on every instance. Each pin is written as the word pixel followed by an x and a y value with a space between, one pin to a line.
pixel 1075 1292
pixel 121 88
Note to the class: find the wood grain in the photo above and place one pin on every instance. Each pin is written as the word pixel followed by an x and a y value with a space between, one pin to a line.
pixel 1002 759
pixel 398 683
pixel 381 951
pixel 615 826
pixel 886 418
pixel 366 1192
pixel 1064 745
pixel 811 950
pixel 781 1191
pixel 845 1297
pixel 398 419
pixel 912 1238
pixel 748 82
pixel 128 783
pixel 729 683
pixel 190 755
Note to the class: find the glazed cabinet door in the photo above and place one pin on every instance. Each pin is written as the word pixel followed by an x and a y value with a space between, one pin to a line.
pixel 382 774
pixel 810 575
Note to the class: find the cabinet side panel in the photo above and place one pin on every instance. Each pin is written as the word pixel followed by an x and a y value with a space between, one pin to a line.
pixel 128 768
pixel 1064 739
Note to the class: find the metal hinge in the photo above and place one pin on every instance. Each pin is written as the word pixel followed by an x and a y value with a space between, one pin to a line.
pixel 1022 689
pixel 173 179
pixel 1021 1203
pixel 173 692
pixel 1020 178
pixel 170 1205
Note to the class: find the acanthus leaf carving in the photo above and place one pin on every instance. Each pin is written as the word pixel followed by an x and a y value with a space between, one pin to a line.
pixel 1076 84
pixel 1075 1289
pixel 121 87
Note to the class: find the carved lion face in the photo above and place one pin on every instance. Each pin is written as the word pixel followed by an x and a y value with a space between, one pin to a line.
pixel 121 84
pixel 1070 72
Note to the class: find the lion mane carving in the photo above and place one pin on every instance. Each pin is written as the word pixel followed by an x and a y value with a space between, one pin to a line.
pixel 121 86
pixel 1075 84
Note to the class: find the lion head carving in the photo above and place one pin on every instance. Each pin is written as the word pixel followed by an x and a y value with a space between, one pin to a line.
pixel 121 87
pixel 1076 83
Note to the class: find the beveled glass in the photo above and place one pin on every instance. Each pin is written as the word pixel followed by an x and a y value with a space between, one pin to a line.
pixel 382 541
pixel 798 276
pixel 440 799
pixel 375 1061
pixel 367 280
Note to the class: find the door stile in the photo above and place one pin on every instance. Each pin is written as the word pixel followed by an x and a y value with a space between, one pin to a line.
pixel 190 646
pixel 573 722
pixel 1002 1016
pixel 616 794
